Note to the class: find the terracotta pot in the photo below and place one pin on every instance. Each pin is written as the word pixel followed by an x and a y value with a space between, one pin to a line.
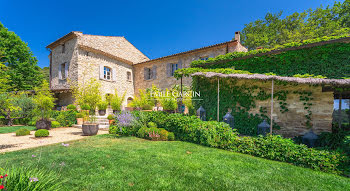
pixel 129 109
pixel 80 121
pixel 90 129
pixel 43 124
pixel 102 112
pixel 111 121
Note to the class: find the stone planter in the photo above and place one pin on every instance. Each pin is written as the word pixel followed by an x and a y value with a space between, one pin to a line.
pixel 102 112
pixel 90 129
pixel 43 124
pixel 80 121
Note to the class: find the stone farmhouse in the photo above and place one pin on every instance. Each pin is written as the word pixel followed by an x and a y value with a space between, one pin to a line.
pixel 119 65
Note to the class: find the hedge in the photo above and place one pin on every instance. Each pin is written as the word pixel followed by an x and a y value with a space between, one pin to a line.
pixel 220 135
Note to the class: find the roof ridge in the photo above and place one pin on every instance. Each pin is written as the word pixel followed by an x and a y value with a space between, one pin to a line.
pixel 103 35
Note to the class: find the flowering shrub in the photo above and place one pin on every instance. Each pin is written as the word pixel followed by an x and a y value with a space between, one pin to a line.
pixel 26 178
pixel 124 124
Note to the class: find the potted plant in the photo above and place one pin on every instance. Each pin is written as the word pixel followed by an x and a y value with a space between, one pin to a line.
pixel 44 102
pixel 85 108
pixel 102 106
pixel 80 118
pixel 169 104
pixel 116 102
pixel 110 118
pixel 90 127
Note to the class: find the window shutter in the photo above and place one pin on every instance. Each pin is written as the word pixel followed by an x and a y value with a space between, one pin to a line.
pixel 145 73
pixel 66 70
pixel 101 71
pixel 114 74
pixel 154 72
pixel 180 64
pixel 59 72
pixel 168 69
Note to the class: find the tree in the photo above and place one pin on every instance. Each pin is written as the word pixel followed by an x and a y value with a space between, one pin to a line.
pixel 15 106
pixel 274 30
pixel 43 100
pixel 86 92
pixel 24 74
pixel 46 73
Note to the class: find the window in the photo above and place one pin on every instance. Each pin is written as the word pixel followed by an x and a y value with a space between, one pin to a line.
pixel 204 58
pixel 63 48
pixel 107 73
pixel 128 76
pixel 63 71
pixel 174 67
pixel 147 73
pixel 86 53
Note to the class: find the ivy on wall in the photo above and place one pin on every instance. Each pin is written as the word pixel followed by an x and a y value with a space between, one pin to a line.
pixel 326 61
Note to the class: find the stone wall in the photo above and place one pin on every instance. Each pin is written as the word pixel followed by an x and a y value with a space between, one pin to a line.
pixel 89 67
pixel 293 122
pixel 163 81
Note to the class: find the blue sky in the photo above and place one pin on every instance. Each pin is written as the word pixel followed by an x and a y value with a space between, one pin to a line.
pixel 157 28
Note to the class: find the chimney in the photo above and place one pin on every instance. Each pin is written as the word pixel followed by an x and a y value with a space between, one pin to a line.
pixel 238 36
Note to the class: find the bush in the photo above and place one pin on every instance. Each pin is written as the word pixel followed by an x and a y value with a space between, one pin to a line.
pixel 22 132
pixel 142 132
pixel 110 117
pixel 163 134
pixel 79 115
pixel 42 133
pixel 71 107
pixel 102 105
pixel 67 118
pixel 85 107
pixel 113 129
pixel 220 135
pixel 171 136
pixel 55 124
pixel 19 178
pixel 152 125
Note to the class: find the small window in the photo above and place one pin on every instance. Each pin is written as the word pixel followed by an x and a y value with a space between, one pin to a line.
pixel 63 48
pixel 86 53
pixel 107 73
pixel 204 58
pixel 62 71
pixel 148 73
pixel 128 76
pixel 174 67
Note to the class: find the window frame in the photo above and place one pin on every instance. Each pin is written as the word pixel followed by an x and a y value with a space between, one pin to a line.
pixel 128 76
pixel 63 71
pixel 173 69
pixel 149 72
pixel 107 72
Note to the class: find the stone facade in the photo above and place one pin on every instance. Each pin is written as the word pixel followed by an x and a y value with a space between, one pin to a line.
pixel 163 80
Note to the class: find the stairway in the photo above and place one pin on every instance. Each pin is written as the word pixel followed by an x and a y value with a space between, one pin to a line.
pixel 102 121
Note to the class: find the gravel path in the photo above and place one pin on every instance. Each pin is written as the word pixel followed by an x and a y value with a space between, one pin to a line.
pixel 11 142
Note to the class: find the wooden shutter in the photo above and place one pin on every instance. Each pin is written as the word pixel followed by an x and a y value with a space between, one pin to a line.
pixel 154 72
pixel 59 71
pixel 66 66
pixel 168 69
pixel 114 74
pixel 145 73
pixel 101 72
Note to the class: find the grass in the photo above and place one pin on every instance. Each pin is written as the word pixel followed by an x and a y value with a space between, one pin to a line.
pixel 107 163
pixel 11 129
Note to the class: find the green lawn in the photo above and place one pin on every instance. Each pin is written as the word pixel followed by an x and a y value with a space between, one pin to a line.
pixel 107 163
pixel 11 129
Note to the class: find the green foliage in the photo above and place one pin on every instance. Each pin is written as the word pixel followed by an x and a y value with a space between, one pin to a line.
pixel 116 101
pixel 142 101
pixel 19 178
pixel 171 136
pixel 274 30
pixel 72 107
pixel 152 125
pixel 23 72
pixel 44 100
pixel 55 124
pixel 113 129
pixel 22 132
pixel 15 106
pixel 42 133
pixel 220 135
pixel 102 105
pixel 110 117
pixel 67 118
pixel 4 77
pixel 46 73
pixel 86 92
pixel 79 115
pixel 326 61
pixel 85 107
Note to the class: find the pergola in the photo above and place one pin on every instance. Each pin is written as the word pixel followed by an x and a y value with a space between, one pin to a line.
pixel 342 83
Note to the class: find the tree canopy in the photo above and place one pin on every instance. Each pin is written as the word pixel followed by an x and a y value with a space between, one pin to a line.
pixel 22 69
pixel 274 30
